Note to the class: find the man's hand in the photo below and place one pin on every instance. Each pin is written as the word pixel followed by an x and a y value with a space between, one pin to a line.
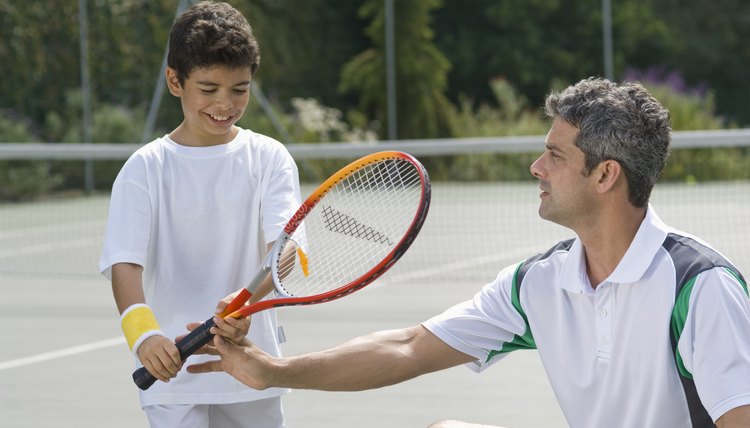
pixel 243 360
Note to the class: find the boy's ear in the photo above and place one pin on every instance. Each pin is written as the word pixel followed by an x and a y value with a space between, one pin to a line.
pixel 173 82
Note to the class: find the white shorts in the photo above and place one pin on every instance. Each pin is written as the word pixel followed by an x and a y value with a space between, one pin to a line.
pixel 252 414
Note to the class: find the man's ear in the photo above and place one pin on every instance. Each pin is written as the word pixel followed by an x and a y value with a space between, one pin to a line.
pixel 609 172
pixel 173 82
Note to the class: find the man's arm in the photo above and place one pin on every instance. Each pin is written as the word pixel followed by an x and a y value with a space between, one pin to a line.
pixel 735 418
pixel 367 362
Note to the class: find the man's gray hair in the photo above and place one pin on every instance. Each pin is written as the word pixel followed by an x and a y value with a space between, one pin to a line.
pixel 620 122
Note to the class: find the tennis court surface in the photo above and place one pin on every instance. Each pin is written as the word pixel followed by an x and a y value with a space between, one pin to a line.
pixel 64 363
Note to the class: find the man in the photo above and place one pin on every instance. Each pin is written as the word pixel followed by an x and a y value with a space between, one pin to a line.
pixel 637 324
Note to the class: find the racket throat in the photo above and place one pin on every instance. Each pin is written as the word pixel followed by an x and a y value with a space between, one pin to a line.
pixel 236 303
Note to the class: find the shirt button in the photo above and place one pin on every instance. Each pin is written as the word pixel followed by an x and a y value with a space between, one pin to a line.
pixel 604 341
pixel 603 313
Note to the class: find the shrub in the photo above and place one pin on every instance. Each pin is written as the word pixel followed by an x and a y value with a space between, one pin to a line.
pixel 23 179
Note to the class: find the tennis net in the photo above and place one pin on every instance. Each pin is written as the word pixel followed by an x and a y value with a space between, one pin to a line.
pixel 483 214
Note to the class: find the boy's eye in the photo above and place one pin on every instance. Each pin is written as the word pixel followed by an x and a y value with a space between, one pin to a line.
pixel 240 91
pixel 208 91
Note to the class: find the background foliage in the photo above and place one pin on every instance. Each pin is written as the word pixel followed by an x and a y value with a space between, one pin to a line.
pixel 479 68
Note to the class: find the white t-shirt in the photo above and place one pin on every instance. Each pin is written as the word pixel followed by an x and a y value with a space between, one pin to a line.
pixel 198 219
pixel 607 351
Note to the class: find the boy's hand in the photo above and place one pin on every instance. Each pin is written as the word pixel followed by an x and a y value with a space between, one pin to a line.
pixel 232 329
pixel 161 357
pixel 223 303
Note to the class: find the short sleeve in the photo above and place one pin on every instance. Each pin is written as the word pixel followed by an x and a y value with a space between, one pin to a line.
pixel 482 327
pixel 281 193
pixel 715 343
pixel 129 220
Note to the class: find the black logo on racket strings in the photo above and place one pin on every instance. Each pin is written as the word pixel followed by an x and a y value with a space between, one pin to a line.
pixel 336 221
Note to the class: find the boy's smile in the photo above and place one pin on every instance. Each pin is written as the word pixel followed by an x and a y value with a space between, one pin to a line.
pixel 213 100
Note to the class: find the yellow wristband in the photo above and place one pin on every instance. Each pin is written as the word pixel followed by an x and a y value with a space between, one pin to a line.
pixel 138 323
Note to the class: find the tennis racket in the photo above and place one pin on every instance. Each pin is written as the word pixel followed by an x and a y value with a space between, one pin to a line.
pixel 347 233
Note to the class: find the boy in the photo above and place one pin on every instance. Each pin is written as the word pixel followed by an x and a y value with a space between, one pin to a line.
pixel 191 217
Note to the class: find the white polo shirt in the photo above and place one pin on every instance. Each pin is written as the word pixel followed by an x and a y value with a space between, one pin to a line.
pixel 607 351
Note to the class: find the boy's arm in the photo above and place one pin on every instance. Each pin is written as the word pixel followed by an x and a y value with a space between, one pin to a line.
pixel 157 353
pixel 127 285
pixel 372 361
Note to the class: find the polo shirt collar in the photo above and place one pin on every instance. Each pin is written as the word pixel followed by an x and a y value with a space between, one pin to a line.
pixel 632 267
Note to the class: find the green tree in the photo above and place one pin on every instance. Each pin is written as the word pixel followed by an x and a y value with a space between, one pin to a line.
pixel 421 71
pixel 303 46
pixel 318 49
pixel 40 54
pixel 37 59
pixel 533 43
pixel 709 47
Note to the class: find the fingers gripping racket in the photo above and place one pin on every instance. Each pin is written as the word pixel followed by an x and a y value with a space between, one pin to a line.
pixel 350 230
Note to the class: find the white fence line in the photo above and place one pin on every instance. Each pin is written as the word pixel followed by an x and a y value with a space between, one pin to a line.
pixel 518 144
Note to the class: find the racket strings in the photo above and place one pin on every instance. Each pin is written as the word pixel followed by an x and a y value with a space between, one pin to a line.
pixel 388 182
pixel 356 224
pixel 336 221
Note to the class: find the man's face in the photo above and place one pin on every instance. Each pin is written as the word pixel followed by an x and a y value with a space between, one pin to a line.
pixel 213 100
pixel 567 193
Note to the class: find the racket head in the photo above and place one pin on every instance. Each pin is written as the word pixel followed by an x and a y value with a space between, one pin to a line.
pixel 352 228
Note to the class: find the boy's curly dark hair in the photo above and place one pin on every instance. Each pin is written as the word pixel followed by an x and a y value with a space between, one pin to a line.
pixel 208 34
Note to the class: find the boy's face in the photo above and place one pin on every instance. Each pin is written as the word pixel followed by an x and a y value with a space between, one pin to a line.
pixel 213 100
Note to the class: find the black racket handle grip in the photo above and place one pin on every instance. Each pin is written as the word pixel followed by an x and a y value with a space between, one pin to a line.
pixel 187 346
